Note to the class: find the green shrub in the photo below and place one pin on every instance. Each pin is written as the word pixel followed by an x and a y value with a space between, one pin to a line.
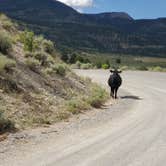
pixel 49 71
pixel 45 59
pixel 97 96
pixel 39 55
pixel 124 68
pixel 6 22
pixel 48 46
pixel 37 44
pixel 33 64
pixel 6 63
pixel 98 64
pixel 27 38
pixel 86 66
pixel 105 66
pixel 29 54
pixel 7 25
pixel 75 66
pixel 76 105
pixel 157 69
pixel 60 69
pixel 142 68
pixel 5 124
pixel 5 42
pixel 78 65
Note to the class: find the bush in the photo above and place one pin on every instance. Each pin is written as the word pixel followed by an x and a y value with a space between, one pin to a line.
pixel 124 68
pixel 6 22
pixel 33 64
pixel 37 44
pixel 98 64
pixel 27 38
pixel 48 46
pixel 6 63
pixel 158 69
pixel 5 124
pixel 44 58
pixel 78 64
pixel 29 54
pixel 97 96
pixel 5 42
pixel 86 66
pixel 142 68
pixel 60 69
pixel 105 66
pixel 76 105
pixel 49 71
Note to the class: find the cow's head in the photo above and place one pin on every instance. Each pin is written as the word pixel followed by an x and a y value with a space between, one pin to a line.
pixel 115 71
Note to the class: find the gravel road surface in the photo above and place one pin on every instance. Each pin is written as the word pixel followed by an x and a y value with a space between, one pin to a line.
pixel 131 132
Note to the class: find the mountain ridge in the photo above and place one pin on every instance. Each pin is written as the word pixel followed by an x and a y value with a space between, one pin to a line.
pixel 115 32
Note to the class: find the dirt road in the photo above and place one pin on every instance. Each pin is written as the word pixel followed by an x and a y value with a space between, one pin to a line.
pixel 129 133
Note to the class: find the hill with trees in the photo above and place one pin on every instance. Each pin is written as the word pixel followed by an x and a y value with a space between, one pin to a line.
pixel 115 32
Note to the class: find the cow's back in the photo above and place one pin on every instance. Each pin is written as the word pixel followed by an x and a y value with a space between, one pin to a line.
pixel 115 80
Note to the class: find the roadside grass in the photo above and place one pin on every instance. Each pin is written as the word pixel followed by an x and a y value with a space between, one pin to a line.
pixel 94 99
pixel 97 96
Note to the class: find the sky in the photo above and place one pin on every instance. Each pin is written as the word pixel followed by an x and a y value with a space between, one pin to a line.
pixel 135 8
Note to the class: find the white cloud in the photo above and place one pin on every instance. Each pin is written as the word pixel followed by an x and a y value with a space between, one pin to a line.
pixel 78 3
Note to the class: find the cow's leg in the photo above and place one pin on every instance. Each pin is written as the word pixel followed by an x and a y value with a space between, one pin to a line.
pixel 112 92
pixel 116 90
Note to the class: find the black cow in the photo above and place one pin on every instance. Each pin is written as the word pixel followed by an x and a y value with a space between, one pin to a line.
pixel 114 82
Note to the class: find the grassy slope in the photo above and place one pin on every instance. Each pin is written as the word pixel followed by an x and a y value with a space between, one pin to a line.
pixel 34 93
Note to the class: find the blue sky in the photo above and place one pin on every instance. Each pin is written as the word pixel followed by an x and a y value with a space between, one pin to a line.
pixel 136 8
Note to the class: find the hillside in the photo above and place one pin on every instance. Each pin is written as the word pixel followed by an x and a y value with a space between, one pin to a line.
pixel 115 32
pixel 36 87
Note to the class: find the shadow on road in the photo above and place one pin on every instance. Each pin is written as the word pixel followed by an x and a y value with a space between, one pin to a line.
pixel 131 97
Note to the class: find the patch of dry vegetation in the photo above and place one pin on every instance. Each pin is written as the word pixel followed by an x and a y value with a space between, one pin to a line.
pixel 36 87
